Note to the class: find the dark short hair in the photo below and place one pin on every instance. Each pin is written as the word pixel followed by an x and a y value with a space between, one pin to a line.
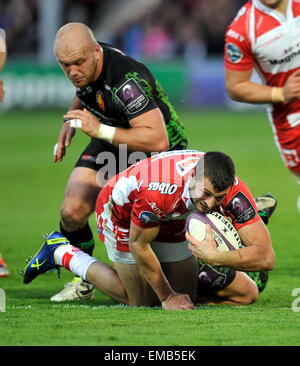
pixel 218 168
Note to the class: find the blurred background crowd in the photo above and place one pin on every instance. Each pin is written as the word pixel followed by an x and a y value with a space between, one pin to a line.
pixel 181 41
pixel 146 29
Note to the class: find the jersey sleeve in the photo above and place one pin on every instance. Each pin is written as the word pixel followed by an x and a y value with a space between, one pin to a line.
pixel 133 92
pixel 148 210
pixel 238 54
pixel 240 205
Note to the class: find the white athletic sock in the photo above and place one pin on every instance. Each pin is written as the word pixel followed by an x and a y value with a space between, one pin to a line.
pixel 73 259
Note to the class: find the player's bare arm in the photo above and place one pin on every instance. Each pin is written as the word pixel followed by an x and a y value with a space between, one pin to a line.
pixel 139 243
pixel 257 255
pixel 66 134
pixel 148 132
pixel 240 88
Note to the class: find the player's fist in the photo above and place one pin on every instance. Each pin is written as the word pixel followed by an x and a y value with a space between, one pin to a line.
pixel 178 301
pixel 291 88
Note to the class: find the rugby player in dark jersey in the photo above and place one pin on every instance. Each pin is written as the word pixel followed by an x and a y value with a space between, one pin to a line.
pixel 123 108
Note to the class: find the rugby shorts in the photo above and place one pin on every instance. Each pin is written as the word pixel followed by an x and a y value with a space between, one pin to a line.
pixel 288 144
pixel 165 252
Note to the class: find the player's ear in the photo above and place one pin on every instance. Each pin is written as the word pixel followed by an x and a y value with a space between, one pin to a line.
pixel 98 51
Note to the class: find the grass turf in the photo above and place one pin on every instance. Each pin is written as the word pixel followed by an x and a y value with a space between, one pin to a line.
pixel 32 189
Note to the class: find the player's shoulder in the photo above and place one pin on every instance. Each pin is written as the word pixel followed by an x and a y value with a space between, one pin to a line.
pixel 119 61
pixel 238 185
pixel 238 26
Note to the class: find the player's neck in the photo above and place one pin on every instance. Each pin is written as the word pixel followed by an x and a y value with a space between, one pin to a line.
pixel 282 7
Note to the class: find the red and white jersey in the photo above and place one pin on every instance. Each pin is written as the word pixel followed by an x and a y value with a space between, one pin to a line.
pixel 155 192
pixel 265 39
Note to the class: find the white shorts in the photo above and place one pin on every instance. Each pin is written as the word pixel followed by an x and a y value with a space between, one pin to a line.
pixel 165 252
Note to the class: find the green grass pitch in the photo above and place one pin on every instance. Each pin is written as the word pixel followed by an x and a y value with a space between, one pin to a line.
pixel 32 189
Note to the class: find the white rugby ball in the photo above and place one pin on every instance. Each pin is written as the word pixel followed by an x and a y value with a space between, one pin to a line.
pixel 225 235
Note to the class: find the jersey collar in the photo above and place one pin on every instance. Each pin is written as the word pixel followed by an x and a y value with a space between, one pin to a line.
pixel 186 196
pixel 274 13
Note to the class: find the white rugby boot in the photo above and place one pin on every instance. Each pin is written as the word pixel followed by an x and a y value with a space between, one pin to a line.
pixel 78 289
pixel 266 205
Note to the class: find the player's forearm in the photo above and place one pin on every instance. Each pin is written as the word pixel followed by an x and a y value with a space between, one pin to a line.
pixel 251 258
pixel 150 268
pixel 141 139
pixel 250 92
pixel 75 104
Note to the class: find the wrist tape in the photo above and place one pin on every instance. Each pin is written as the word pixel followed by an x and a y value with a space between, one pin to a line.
pixel 106 132
pixel 277 95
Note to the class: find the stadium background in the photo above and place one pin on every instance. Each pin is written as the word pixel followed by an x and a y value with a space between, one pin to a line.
pixel 182 43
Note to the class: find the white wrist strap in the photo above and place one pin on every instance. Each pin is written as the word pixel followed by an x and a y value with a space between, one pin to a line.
pixel 106 132
pixel 75 122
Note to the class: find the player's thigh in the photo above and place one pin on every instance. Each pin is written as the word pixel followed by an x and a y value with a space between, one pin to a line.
pixel 183 275
pixel 179 266
pixel 82 187
pixel 241 287
pixel 138 290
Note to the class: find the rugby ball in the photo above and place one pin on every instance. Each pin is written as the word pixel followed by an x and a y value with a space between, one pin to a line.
pixel 225 235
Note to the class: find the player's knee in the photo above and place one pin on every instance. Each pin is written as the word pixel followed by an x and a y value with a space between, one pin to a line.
pixel 73 211
pixel 250 296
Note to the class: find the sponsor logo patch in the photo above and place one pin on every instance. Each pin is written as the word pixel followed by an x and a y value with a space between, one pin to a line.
pixel 234 53
pixel 241 208
pixel 132 96
pixel 147 217
pixel 88 157
pixel 186 165
pixel 162 187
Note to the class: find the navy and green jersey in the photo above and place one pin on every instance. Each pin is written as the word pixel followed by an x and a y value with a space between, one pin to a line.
pixel 126 89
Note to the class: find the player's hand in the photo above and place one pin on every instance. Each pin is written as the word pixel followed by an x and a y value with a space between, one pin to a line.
pixel 64 140
pixel 204 250
pixel 1 91
pixel 291 88
pixel 178 302
pixel 90 123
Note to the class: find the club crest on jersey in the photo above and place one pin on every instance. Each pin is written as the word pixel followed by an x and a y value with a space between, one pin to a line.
pixel 162 187
pixel 234 53
pixel 132 96
pixel 100 100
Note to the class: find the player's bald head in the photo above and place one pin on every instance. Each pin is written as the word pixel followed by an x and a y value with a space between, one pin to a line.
pixel 78 53
pixel 73 36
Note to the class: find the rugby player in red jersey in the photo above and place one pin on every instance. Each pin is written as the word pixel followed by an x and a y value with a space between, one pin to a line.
pixel 265 36
pixel 141 218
